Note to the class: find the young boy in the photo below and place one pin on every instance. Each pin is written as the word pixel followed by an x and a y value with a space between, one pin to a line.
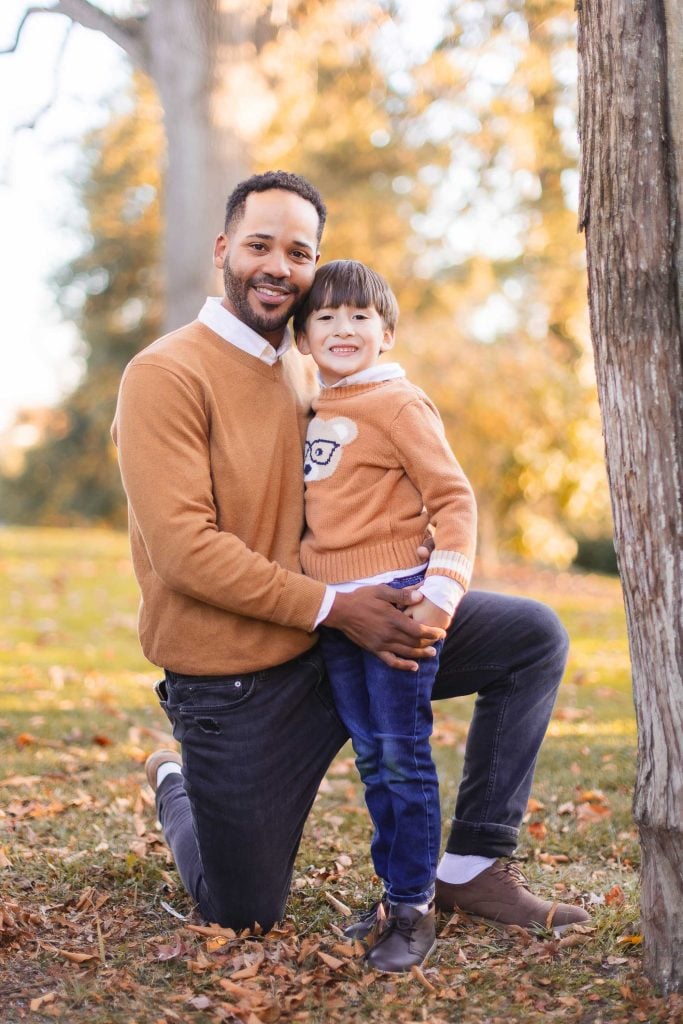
pixel 378 469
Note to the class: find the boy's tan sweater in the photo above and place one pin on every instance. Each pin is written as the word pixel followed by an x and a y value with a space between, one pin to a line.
pixel 209 442
pixel 378 469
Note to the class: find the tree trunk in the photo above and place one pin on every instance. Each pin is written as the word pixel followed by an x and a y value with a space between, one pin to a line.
pixel 630 127
pixel 206 156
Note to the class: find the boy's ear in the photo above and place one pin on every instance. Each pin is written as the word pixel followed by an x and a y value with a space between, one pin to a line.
pixel 388 339
pixel 302 344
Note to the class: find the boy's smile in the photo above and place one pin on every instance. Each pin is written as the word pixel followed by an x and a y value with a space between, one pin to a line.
pixel 344 340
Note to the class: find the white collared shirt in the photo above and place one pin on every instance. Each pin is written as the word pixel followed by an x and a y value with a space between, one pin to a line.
pixel 214 315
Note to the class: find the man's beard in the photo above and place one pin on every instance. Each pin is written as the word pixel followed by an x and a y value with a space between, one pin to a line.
pixel 237 291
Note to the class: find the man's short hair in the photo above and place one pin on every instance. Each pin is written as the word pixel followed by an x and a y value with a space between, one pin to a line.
pixel 286 180
pixel 348 283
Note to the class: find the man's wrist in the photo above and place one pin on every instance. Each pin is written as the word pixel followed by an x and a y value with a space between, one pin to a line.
pixel 325 607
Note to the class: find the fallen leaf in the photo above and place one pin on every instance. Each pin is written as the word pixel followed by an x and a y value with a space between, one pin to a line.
pixel 39 1001
pixel 417 973
pixel 331 961
pixel 70 955
pixel 615 896
pixel 338 905
pixel 200 1002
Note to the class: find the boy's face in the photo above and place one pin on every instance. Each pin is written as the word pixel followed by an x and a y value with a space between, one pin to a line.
pixel 345 340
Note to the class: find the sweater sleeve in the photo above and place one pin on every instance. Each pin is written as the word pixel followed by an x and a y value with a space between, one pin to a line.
pixel 161 430
pixel 421 445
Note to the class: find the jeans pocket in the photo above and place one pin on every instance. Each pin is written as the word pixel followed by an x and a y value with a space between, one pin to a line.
pixel 220 696
pixel 161 692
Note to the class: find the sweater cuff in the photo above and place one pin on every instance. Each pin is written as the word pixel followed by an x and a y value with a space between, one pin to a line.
pixel 451 563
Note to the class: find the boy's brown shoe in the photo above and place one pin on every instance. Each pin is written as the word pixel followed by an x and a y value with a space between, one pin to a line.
pixel 367 921
pixel 407 940
pixel 501 894
pixel 154 763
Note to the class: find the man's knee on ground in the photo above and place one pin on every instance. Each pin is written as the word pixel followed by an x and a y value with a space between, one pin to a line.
pixel 237 914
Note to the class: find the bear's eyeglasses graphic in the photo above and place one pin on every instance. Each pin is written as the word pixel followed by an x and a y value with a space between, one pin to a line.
pixel 320 452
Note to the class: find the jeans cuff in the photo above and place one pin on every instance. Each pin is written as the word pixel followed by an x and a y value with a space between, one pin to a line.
pixel 484 839
pixel 421 897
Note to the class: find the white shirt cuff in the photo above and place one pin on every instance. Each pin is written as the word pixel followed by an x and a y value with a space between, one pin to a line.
pixel 444 592
pixel 325 607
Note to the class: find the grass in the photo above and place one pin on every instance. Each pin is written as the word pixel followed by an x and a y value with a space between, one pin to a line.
pixel 88 925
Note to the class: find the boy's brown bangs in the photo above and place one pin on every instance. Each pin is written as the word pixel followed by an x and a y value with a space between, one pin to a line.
pixel 349 283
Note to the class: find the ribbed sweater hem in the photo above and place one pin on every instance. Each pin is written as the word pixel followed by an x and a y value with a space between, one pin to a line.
pixel 361 562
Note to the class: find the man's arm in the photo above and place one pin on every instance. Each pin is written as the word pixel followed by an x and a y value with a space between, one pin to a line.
pixel 162 433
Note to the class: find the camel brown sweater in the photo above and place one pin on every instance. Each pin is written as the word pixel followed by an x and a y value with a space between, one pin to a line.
pixel 378 469
pixel 210 442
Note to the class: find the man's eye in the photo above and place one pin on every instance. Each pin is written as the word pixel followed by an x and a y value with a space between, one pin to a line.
pixel 300 255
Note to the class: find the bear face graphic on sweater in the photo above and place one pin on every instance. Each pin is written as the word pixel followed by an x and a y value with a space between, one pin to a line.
pixel 324 444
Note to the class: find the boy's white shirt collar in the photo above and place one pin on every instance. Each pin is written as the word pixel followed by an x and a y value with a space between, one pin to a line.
pixel 221 321
pixel 372 375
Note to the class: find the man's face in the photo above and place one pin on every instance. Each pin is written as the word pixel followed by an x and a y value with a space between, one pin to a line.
pixel 268 260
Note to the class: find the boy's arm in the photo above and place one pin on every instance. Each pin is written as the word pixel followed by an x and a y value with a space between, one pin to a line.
pixel 421 446
pixel 161 431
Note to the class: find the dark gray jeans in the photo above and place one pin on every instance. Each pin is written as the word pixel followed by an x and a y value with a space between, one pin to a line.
pixel 255 748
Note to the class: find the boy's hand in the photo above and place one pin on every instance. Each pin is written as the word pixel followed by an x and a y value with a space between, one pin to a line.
pixel 429 614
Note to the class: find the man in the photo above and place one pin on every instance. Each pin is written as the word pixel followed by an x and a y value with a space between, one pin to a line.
pixel 210 425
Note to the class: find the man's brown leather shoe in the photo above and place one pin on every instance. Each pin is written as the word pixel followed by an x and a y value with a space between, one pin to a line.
pixel 406 941
pixel 501 894
pixel 154 763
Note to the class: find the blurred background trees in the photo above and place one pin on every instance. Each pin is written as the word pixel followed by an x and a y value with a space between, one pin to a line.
pixel 445 146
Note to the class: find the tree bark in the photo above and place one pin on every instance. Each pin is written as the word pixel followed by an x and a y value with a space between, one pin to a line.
pixel 185 47
pixel 630 128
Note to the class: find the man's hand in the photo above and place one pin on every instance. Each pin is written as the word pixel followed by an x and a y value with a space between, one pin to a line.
pixel 368 616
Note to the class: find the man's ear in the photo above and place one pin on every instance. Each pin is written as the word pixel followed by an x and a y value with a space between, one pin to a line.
pixel 388 339
pixel 220 251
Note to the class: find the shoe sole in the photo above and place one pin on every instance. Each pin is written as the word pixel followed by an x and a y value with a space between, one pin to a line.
pixel 501 926
pixel 405 970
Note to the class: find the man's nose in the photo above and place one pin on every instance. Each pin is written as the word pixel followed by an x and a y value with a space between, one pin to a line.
pixel 277 264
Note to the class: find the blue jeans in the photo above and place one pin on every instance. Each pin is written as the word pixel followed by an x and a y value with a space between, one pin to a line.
pixel 255 753
pixel 388 714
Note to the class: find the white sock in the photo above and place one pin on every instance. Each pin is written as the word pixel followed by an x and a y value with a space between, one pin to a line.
pixel 422 907
pixel 457 869
pixel 167 768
